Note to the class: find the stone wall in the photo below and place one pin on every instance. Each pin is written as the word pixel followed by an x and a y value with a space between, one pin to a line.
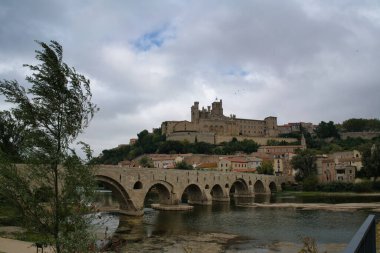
pixel 363 135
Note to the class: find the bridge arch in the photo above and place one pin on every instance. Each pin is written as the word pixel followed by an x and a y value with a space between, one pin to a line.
pixel 162 192
pixel 217 193
pixel 118 191
pixel 193 194
pixel 273 187
pixel 259 187
pixel 239 188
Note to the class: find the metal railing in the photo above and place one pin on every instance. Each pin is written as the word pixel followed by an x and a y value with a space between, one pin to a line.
pixel 364 241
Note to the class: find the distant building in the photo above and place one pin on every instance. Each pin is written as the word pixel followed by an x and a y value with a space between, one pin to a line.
pixel 282 164
pixel 279 150
pixel 296 127
pixel 239 164
pixel 339 166
pixel 212 126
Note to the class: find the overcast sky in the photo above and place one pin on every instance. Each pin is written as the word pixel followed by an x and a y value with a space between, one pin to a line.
pixel 148 61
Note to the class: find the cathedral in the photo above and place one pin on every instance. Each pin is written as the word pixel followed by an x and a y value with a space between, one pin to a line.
pixel 212 126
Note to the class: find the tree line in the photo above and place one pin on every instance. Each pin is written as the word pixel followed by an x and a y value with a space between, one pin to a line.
pixel 155 142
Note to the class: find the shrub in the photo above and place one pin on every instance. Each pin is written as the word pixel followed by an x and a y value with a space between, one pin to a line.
pixel 335 187
pixel 310 183
pixel 365 186
pixel 376 186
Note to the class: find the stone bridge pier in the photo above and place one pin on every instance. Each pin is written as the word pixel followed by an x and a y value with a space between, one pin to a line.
pixel 132 185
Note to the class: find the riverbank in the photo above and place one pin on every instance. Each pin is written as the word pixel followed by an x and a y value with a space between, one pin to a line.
pixel 374 207
pixel 194 243
pixel 217 243
pixel 16 246
pixel 324 194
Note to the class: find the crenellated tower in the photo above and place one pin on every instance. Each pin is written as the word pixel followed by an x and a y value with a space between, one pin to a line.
pixel 217 109
pixel 195 112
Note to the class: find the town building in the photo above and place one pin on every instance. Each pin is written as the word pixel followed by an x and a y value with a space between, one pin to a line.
pixel 339 166
pixel 239 164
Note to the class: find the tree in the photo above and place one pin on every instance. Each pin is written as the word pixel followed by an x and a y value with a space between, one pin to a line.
pixel 11 136
pixel 360 125
pixel 265 168
pixel 146 162
pixel 305 165
pixel 326 130
pixel 55 108
pixel 371 161
pixel 183 166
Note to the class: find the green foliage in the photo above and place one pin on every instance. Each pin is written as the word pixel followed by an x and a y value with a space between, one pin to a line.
pixel 246 146
pixel 371 161
pixel 145 162
pixel 113 156
pixel 336 187
pixel 326 130
pixel 360 125
pixel 11 136
pixel 351 143
pixel 148 143
pixel 53 111
pixel 310 183
pixel 281 143
pixel 266 168
pixel 295 135
pixel 305 165
pixel 365 186
pixel 171 147
pixel 183 166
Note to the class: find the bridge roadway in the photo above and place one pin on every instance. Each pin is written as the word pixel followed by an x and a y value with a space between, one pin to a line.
pixel 131 185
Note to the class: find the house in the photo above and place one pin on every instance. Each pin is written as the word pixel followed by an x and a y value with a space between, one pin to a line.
pixel 239 164
pixel 339 166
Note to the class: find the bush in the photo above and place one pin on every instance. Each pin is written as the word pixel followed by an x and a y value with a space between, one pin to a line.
pixel 376 185
pixel 183 166
pixel 365 186
pixel 310 183
pixel 335 187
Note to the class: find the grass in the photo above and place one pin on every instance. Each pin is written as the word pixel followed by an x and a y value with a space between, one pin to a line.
pixel 10 217
pixel 29 236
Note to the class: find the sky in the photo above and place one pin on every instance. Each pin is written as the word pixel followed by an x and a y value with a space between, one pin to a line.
pixel 148 61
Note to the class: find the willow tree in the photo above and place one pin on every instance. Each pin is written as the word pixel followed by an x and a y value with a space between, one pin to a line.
pixel 53 187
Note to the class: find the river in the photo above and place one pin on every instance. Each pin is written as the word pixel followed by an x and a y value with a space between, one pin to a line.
pixel 230 227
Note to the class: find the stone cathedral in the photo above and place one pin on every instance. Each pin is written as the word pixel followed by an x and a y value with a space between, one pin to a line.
pixel 212 126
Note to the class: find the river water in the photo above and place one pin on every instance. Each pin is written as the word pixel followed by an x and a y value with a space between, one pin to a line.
pixel 257 229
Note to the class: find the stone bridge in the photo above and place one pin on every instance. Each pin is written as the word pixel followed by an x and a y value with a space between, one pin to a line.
pixel 131 185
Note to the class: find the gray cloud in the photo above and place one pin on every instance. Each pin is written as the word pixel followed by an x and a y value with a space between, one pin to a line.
pixel 148 61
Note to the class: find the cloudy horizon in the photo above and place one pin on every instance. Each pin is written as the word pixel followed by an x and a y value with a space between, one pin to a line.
pixel 148 61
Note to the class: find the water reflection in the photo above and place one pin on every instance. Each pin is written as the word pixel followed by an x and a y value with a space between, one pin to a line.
pixel 260 224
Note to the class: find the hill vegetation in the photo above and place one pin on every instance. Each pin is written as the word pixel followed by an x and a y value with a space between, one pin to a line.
pixel 148 143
